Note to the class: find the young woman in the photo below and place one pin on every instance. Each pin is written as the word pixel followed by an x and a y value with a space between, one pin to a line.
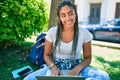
pixel 63 48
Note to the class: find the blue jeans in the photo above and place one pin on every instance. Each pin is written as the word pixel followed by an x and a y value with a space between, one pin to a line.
pixel 89 73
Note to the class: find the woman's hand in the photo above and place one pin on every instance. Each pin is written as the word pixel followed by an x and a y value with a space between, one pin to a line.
pixel 55 71
pixel 73 72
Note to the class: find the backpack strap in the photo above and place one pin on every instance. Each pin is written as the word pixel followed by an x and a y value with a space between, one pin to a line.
pixel 43 37
pixel 40 38
pixel 41 45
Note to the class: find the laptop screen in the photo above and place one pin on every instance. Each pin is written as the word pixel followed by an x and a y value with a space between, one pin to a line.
pixel 60 78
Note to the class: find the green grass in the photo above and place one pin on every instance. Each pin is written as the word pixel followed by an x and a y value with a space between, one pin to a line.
pixel 12 58
pixel 107 59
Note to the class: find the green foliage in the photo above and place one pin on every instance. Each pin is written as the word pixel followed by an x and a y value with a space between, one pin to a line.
pixel 19 19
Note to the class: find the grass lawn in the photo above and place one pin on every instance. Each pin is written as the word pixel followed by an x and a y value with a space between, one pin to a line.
pixel 107 59
pixel 12 58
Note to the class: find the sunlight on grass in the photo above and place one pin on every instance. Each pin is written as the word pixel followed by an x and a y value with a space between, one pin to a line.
pixel 32 39
pixel 107 59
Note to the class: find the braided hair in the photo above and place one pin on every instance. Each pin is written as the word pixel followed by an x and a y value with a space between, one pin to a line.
pixel 60 26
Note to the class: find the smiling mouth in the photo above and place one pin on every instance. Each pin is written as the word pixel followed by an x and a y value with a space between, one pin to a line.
pixel 69 22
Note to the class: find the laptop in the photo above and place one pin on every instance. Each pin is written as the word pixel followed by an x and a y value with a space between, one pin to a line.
pixel 60 78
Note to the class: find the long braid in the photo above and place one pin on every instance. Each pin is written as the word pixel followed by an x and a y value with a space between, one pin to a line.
pixel 60 27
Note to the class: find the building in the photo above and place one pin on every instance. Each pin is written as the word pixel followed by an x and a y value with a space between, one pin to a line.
pixel 95 11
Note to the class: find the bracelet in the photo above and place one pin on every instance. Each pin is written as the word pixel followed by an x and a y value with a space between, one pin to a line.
pixel 51 65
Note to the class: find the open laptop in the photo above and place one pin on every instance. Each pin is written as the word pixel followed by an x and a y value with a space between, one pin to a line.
pixel 60 78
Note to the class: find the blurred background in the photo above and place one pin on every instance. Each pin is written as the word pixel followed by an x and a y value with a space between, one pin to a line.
pixel 22 21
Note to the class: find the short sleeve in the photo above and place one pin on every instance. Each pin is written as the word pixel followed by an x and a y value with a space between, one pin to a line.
pixel 87 36
pixel 51 34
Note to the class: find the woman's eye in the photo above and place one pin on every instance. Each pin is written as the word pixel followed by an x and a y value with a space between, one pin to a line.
pixel 63 16
pixel 70 14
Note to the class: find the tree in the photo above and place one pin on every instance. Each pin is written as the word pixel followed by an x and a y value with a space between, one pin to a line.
pixel 19 19
pixel 53 15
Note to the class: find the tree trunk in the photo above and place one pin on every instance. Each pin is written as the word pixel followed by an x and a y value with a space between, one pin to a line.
pixel 53 19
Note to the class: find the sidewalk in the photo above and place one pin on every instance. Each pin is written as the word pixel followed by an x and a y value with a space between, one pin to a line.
pixel 106 44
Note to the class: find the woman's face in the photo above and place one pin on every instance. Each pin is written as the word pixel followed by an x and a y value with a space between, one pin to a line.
pixel 67 16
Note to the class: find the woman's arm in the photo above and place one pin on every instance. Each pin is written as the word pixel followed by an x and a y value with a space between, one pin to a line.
pixel 86 59
pixel 48 52
pixel 48 57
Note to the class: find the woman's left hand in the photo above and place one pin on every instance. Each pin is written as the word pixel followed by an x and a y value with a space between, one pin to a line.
pixel 73 72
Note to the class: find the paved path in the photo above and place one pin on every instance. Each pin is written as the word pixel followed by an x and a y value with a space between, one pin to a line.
pixel 107 44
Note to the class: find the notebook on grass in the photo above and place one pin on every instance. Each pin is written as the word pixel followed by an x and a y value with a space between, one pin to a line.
pixel 60 78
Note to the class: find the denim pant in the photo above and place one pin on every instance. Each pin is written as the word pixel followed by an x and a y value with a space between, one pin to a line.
pixel 89 73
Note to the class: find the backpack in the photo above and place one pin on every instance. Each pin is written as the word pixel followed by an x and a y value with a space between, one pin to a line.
pixel 37 51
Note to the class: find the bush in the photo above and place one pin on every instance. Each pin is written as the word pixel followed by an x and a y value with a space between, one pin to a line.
pixel 19 19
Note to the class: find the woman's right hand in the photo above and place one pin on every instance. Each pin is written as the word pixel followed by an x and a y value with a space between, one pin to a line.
pixel 55 71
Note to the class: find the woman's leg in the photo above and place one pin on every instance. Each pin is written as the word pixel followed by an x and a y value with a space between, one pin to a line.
pixel 39 72
pixel 91 73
